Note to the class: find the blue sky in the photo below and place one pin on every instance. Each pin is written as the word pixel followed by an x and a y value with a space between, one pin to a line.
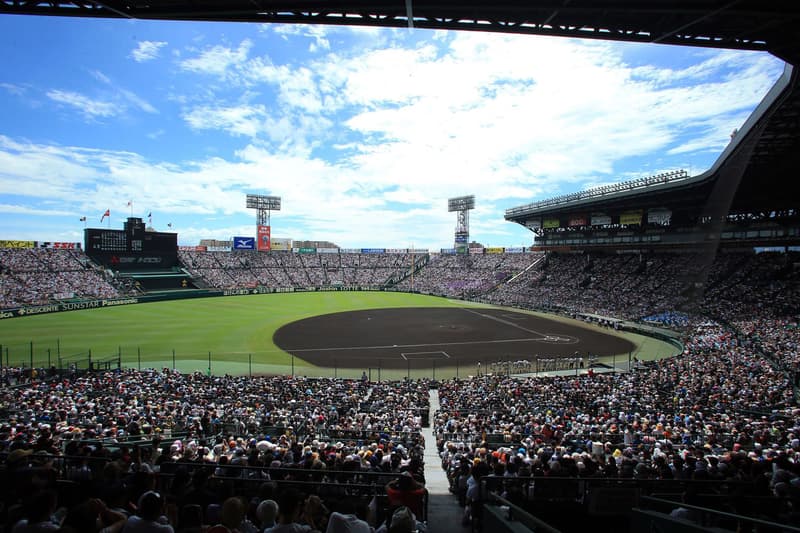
pixel 364 133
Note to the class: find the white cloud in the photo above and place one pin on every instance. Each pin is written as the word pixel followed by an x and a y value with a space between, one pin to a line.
pixel 89 107
pixel 318 34
pixel 240 120
pixel 218 60
pixel 137 101
pixel 12 88
pixel 147 50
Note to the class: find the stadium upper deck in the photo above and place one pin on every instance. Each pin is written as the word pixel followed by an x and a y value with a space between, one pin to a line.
pixel 741 198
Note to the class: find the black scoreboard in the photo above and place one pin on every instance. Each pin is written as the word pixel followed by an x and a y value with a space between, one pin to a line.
pixel 132 248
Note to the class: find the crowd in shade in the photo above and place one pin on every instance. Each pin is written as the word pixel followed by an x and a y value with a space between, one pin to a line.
pixel 118 436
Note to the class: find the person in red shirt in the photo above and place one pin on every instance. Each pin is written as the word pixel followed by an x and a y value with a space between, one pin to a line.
pixel 406 491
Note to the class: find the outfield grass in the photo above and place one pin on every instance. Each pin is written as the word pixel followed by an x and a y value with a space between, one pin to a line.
pixel 236 330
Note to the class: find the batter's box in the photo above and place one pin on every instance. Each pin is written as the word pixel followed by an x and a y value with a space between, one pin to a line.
pixel 424 356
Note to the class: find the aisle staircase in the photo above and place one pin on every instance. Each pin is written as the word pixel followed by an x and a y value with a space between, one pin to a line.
pixel 444 512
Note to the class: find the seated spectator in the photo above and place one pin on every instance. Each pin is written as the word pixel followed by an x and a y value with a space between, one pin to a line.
pixel 405 491
pixel 267 512
pixel 402 520
pixel 38 514
pixel 290 507
pixel 149 517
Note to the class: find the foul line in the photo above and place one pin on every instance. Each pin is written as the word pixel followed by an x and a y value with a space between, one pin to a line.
pixel 552 339
pixel 506 322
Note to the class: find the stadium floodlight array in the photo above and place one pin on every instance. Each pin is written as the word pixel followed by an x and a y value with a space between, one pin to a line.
pixel 638 183
pixel 269 203
pixel 461 203
pixel 263 205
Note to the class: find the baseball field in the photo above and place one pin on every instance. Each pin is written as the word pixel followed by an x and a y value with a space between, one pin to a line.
pixel 342 334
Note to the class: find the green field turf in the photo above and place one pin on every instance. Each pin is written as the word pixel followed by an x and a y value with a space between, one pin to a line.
pixel 236 330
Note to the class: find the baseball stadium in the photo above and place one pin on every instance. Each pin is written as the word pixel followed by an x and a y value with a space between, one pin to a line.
pixel 634 368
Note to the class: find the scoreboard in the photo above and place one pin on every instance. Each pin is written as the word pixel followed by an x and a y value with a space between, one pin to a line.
pixel 132 248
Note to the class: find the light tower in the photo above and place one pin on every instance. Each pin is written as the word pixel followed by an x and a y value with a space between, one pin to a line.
pixel 461 205
pixel 263 206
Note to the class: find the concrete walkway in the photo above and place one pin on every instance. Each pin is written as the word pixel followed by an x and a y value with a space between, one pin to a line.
pixel 444 513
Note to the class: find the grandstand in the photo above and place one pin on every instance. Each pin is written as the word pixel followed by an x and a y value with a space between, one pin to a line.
pixel 707 439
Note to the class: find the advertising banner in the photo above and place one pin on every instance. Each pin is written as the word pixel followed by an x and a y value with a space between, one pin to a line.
pixel 350 251
pixel 61 245
pixel 448 251
pixel 631 217
pixel 476 250
pixel 372 250
pixel 396 250
pixel 495 250
pixel 600 219
pixel 193 248
pixel 461 239
pixel 326 250
pixel 418 251
pixel 659 216
pixel 264 244
pixel 577 220
pixel 306 250
pixel 17 244
pixel 515 250
pixel 244 243
pixel 534 223
pixel 281 244
pixel 218 248
pixel 550 223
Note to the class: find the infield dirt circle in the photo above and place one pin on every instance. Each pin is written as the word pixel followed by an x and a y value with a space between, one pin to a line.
pixel 446 336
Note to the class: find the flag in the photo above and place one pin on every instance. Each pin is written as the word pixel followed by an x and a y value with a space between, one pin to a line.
pixel 83 219
pixel 129 203
pixel 150 214
pixel 106 214
pixel 169 225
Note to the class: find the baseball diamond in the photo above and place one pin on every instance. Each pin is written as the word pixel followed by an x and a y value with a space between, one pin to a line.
pixel 392 338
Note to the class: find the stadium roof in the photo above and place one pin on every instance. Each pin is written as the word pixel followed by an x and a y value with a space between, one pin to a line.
pixel 738 24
